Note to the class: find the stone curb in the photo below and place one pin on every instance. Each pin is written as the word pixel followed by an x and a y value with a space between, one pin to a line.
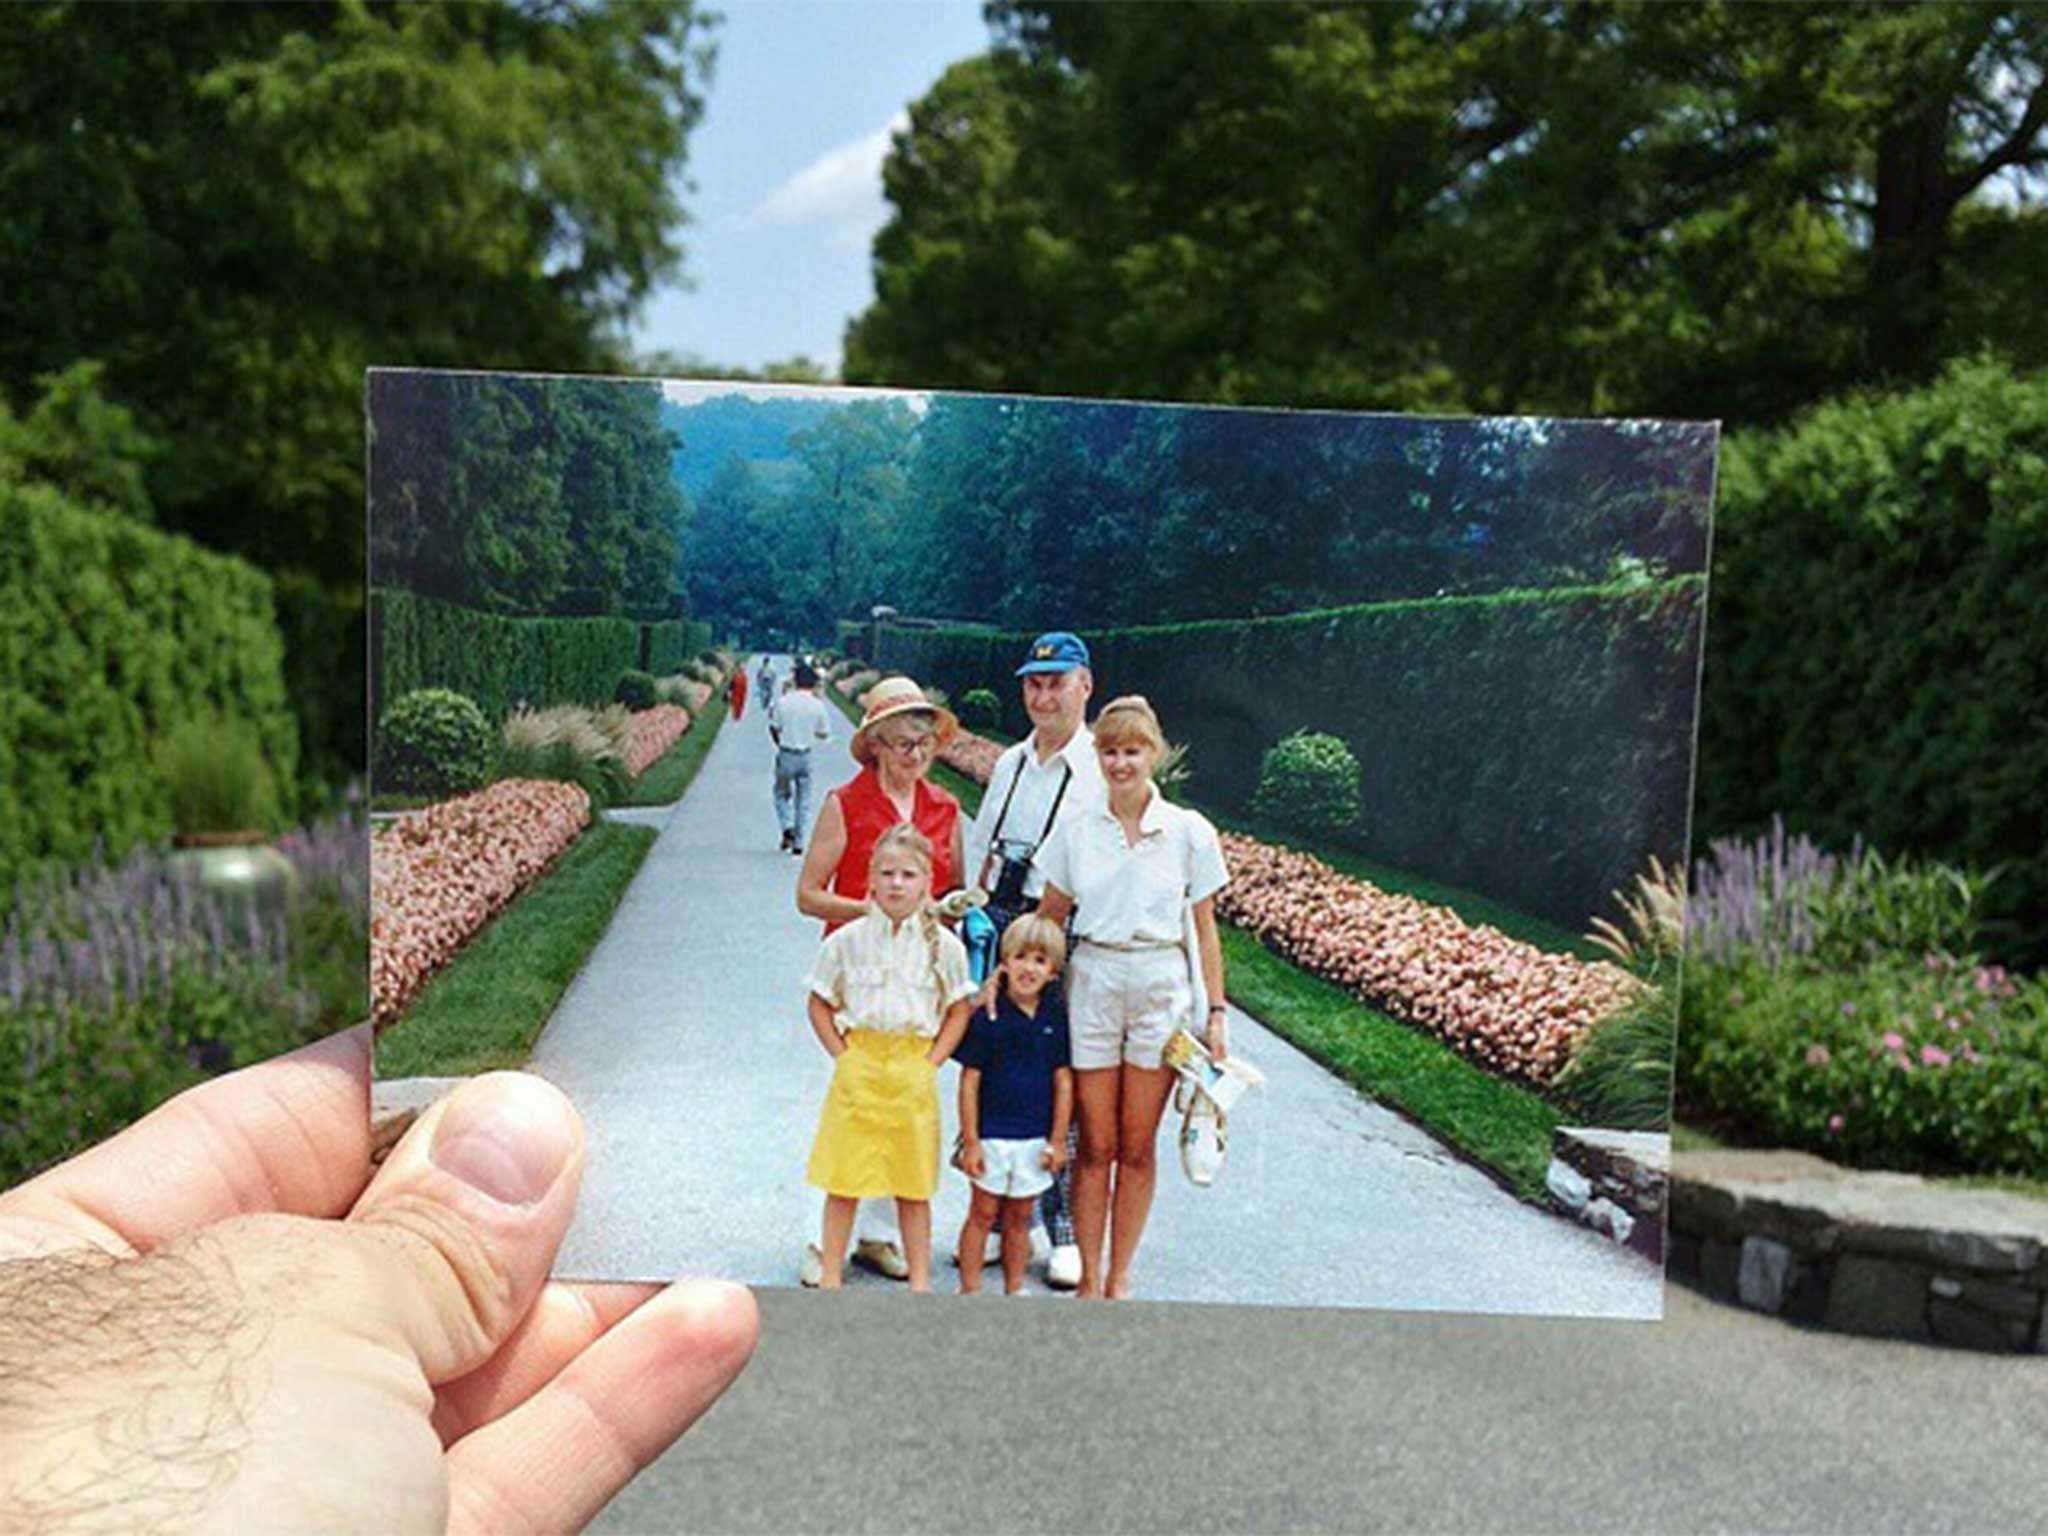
pixel 1890 1255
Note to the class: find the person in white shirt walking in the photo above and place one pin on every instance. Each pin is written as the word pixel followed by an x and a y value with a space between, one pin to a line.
pixel 1035 785
pixel 800 723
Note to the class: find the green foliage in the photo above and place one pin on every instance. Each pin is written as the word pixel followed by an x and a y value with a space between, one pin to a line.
pixel 215 776
pixel 666 646
pixel 1874 906
pixel 1638 208
pixel 1619 1075
pixel 1920 1065
pixel 238 209
pixel 433 741
pixel 501 663
pixel 110 634
pixel 1543 744
pixel 1309 781
pixel 80 443
pixel 1876 661
pixel 635 690
pixel 601 775
pixel 980 710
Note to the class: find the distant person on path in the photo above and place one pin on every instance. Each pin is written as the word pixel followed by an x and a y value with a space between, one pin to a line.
pixel 800 723
pixel 1016 1099
pixel 888 1001
pixel 736 691
pixel 1035 785
pixel 898 740
pixel 1140 876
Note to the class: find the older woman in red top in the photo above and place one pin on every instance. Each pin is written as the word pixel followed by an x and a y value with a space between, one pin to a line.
pixel 899 739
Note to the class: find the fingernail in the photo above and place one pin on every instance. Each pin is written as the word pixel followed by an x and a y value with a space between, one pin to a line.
pixel 508 1135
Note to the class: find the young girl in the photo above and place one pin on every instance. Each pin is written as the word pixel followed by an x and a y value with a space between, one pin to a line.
pixel 1016 1095
pixel 888 1001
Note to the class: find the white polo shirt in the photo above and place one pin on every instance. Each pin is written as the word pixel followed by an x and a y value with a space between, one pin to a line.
pixel 1038 786
pixel 801 720
pixel 1134 894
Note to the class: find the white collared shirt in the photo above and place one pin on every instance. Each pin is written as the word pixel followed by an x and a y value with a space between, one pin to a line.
pixel 801 721
pixel 879 975
pixel 1038 786
pixel 1135 894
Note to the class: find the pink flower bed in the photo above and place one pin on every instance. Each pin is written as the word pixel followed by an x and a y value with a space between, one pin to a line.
pixel 438 876
pixel 1512 1008
pixel 975 756
pixel 699 695
pixel 654 732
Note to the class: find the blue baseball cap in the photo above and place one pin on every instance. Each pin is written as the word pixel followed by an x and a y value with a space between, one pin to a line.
pixel 1057 651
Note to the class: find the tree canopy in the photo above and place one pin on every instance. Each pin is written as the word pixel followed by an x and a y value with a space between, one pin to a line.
pixel 1480 205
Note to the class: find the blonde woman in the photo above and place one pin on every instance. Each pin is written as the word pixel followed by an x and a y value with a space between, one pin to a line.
pixel 1139 876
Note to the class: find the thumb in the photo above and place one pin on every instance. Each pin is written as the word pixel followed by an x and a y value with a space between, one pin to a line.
pixel 463 1220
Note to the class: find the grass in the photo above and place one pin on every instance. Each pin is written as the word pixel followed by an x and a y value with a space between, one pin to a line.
pixel 673 772
pixel 1503 1128
pixel 485 1009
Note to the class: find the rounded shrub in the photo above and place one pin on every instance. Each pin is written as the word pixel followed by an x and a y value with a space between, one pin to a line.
pixel 433 741
pixel 636 690
pixel 980 710
pixel 1309 782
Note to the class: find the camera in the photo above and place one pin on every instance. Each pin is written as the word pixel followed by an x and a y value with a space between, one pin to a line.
pixel 1009 888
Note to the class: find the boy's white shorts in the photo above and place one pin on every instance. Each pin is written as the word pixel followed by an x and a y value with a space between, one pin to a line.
pixel 1012 1169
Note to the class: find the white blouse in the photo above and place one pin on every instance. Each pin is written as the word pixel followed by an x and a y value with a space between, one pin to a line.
pixel 1134 893
pixel 878 975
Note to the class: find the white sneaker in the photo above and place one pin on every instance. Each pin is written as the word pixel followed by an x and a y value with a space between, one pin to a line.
pixel 1041 1244
pixel 1063 1268
pixel 991 1253
pixel 811 1273
pixel 883 1258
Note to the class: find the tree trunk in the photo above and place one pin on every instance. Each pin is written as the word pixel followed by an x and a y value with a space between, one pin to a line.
pixel 1908 238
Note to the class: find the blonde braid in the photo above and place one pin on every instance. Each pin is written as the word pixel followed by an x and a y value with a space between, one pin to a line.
pixel 928 919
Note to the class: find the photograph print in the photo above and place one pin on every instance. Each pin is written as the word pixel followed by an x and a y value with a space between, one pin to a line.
pixel 1046 847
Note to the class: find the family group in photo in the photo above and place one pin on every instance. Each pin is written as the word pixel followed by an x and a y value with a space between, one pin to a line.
pixel 1100 893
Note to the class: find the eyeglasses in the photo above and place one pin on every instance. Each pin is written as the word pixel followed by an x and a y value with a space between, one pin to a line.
pixel 904 744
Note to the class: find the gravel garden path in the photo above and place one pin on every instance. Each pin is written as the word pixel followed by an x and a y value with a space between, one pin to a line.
pixel 683 1042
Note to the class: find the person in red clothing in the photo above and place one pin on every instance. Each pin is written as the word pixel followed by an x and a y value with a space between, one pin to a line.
pixel 736 691
pixel 899 738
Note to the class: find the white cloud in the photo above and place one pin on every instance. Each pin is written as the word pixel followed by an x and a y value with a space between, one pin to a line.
pixel 844 182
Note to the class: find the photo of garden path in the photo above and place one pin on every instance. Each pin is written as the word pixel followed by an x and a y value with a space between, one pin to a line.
pixel 683 1042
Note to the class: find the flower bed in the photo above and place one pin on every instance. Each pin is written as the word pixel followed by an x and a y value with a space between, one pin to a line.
pixel 654 732
pixel 971 755
pixel 1512 1008
pixel 437 877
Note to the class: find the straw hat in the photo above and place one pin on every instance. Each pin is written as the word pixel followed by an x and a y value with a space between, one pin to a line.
pixel 894 696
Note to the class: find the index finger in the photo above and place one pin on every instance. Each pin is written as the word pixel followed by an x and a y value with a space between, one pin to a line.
pixel 291 1134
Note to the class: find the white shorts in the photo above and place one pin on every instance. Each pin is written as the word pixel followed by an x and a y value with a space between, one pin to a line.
pixel 1122 1004
pixel 1011 1168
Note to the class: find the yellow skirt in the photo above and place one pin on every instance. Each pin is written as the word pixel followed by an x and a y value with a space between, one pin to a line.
pixel 878 1133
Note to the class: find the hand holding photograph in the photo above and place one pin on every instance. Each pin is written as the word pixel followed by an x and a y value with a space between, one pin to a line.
pixel 1246 839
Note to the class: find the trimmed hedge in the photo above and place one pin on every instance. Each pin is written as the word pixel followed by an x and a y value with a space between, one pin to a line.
pixel 1879 649
pixel 665 647
pixel 1531 746
pixel 418 642
pixel 110 634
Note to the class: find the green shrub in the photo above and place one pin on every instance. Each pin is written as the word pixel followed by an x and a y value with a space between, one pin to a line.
pixel 980 710
pixel 1898 541
pixel 1309 783
pixel 433 741
pixel 1619 1075
pixel 636 690
pixel 215 777
pixel 1931 1065
pixel 501 663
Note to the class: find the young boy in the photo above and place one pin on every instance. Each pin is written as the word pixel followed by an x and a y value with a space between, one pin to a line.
pixel 1016 1097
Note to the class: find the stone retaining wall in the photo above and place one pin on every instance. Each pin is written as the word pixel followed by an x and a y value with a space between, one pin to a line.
pixel 1887 1254
pixel 1613 1182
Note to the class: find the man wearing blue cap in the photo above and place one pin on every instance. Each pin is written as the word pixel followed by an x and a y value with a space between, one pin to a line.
pixel 1034 784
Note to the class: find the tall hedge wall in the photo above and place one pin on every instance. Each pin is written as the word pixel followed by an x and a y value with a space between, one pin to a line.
pixel 1534 747
pixel 1878 657
pixel 110 634
pixel 665 647
pixel 418 642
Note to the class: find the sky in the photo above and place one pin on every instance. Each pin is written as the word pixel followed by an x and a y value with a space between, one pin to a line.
pixel 788 170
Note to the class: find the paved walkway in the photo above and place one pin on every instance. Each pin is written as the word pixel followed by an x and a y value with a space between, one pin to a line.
pixel 683 1041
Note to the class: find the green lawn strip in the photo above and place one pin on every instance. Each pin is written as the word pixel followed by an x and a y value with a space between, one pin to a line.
pixel 486 1007
pixel 669 775
pixel 1503 1129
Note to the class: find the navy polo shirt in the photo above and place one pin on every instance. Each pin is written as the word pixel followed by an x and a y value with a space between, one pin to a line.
pixel 1016 1055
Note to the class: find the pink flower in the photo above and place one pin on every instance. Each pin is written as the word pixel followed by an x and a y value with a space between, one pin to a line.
pixel 1817 1055
pixel 1835 1124
pixel 1934 1055
pixel 1903 1062
pixel 1848 1010
pixel 1894 1041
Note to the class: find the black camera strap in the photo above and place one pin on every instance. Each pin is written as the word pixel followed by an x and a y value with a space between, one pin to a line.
pixel 1003 816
